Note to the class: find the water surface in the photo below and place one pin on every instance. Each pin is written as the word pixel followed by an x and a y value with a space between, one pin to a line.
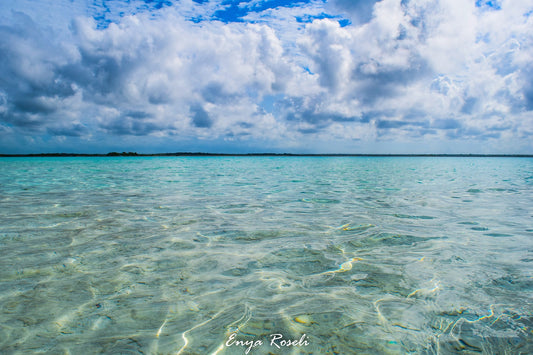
pixel 174 255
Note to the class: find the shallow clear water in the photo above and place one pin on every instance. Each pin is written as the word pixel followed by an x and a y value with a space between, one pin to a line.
pixel 174 255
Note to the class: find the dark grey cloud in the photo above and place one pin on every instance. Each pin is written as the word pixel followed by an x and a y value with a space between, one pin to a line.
pixel 387 82
pixel 101 77
pixel 417 122
pixel 133 127
pixel 200 117
pixel 309 130
pixel 30 104
pixel 298 109
pixel 135 123
pixel 75 130
pixel 138 114
pixel 106 73
pixel 319 118
pixel 29 123
pixel 106 67
pixel 37 75
pixel 30 72
pixel 158 95
pixel 215 92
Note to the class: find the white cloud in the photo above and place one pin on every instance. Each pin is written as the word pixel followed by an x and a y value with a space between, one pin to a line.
pixel 414 70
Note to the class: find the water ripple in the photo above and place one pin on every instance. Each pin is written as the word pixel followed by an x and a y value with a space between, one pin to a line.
pixel 174 255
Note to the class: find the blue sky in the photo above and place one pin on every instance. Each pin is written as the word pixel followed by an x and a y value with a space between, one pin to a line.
pixel 306 76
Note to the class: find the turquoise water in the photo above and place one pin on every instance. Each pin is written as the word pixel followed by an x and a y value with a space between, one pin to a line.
pixel 341 255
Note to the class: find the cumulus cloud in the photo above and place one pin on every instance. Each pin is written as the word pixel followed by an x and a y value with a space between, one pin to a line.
pixel 411 70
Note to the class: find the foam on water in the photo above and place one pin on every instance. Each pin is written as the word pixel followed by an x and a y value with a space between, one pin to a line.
pixel 174 255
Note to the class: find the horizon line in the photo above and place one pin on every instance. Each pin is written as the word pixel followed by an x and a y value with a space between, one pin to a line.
pixel 267 154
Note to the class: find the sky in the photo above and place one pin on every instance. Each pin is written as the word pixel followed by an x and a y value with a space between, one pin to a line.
pixel 247 76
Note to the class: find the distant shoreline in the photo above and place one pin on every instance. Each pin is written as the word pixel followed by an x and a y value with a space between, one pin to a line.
pixel 199 154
